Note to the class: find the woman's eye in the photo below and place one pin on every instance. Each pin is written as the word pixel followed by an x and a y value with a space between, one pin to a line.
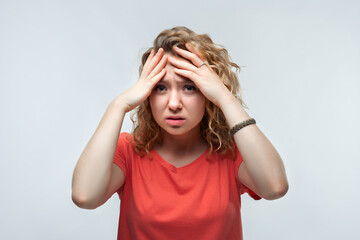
pixel 160 88
pixel 189 88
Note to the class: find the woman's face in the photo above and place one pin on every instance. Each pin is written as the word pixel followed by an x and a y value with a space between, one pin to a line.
pixel 177 105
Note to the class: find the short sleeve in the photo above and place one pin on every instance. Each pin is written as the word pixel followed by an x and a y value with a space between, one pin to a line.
pixel 121 156
pixel 242 188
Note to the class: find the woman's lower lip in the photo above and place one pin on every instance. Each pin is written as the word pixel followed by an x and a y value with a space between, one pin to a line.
pixel 174 122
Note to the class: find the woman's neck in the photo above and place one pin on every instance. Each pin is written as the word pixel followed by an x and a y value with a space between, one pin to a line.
pixel 189 143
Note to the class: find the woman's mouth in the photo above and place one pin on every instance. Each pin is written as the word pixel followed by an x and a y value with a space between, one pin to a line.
pixel 175 121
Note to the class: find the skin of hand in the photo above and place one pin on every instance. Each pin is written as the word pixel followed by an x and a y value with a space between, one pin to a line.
pixel 262 170
pixel 153 71
pixel 208 82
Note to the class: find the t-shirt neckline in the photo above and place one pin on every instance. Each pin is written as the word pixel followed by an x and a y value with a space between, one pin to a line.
pixel 174 169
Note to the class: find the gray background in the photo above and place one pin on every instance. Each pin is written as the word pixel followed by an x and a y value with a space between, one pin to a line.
pixel 62 62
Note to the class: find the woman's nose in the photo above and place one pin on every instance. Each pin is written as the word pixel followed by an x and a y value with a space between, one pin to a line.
pixel 174 101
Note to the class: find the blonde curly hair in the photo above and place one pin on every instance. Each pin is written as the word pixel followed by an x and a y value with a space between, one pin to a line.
pixel 214 129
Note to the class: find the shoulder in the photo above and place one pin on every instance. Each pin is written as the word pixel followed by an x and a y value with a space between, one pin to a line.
pixel 126 138
pixel 125 144
pixel 232 159
pixel 125 135
pixel 232 155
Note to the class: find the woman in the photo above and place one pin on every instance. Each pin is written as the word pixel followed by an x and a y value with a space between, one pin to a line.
pixel 180 173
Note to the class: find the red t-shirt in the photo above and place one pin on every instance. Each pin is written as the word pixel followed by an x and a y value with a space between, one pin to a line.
pixel 200 200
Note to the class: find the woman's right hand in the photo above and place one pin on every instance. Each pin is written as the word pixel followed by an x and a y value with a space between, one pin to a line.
pixel 153 71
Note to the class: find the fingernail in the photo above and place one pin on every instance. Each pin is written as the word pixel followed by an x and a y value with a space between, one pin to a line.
pixel 171 58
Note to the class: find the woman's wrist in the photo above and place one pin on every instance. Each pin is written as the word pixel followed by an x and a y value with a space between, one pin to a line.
pixel 119 104
pixel 233 110
pixel 225 99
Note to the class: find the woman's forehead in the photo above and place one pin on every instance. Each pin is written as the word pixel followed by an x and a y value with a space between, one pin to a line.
pixel 171 76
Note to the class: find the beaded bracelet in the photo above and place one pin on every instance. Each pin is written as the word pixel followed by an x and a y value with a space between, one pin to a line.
pixel 241 125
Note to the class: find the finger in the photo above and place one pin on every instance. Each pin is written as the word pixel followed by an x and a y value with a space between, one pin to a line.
pixel 192 49
pixel 154 61
pixel 187 74
pixel 148 60
pixel 156 58
pixel 156 78
pixel 161 65
pixel 182 64
pixel 188 55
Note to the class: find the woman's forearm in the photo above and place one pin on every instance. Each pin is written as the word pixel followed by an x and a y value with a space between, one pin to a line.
pixel 263 162
pixel 92 173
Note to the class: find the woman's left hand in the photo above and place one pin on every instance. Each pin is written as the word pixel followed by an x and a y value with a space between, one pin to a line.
pixel 208 82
